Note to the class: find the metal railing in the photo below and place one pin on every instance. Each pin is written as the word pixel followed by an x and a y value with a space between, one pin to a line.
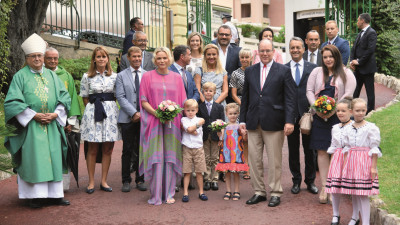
pixel 199 18
pixel 346 12
pixel 105 22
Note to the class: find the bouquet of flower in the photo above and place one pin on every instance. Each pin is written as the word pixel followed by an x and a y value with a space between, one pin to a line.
pixel 167 111
pixel 324 105
pixel 217 125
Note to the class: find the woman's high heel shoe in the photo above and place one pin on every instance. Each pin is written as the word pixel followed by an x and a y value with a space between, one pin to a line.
pixel 323 196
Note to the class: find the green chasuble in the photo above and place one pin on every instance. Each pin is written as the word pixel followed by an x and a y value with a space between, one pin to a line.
pixel 39 151
pixel 69 83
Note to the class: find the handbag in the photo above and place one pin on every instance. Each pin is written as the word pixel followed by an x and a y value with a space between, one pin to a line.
pixel 305 123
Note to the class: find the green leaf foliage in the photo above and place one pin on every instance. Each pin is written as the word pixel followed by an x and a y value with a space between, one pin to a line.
pixel 281 36
pixel 77 67
pixel 5 8
pixel 248 30
pixel 386 22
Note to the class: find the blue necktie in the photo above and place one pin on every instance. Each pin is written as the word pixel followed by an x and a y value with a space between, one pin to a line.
pixel 297 75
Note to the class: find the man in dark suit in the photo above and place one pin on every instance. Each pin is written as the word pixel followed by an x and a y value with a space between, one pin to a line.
pixel 267 111
pixel 313 54
pixel 210 111
pixel 228 54
pixel 332 31
pixel 182 59
pixel 136 24
pixel 127 92
pixel 300 69
pixel 362 59
pixel 140 40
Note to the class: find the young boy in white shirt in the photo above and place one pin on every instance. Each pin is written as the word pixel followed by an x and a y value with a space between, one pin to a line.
pixel 192 148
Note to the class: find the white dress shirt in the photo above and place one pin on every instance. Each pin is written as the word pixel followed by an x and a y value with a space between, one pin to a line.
pixel 222 55
pixel 315 56
pixel 293 68
pixel 261 70
pixel 205 102
pixel 179 68
pixel 234 31
pixel 190 140
pixel 364 29
pixel 140 73
pixel 333 40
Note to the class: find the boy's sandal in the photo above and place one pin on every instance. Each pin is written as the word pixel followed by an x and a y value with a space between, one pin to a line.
pixel 236 196
pixel 246 177
pixel 185 198
pixel 227 195
pixel 203 197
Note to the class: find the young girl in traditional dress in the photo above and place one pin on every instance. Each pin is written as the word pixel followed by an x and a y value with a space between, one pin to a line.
pixel 334 180
pixel 359 174
pixel 231 153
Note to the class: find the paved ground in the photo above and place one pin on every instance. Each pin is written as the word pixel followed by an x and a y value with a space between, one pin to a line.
pixel 132 207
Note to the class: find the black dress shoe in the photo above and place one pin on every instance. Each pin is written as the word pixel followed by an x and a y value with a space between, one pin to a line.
pixel 207 186
pixel 141 186
pixel 35 203
pixel 256 199
pixel 214 186
pixel 109 189
pixel 126 187
pixel 61 201
pixel 295 189
pixel 312 188
pixel 89 191
pixel 274 201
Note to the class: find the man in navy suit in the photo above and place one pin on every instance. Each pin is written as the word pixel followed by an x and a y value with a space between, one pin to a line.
pixel 362 59
pixel 136 24
pixel 268 112
pixel 182 58
pixel 228 54
pixel 127 92
pixel 332 31
pixel 301 70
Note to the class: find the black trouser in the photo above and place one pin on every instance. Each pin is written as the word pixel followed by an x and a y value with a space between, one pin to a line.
pixel 131 139
pixel 294 156
pixel 368 80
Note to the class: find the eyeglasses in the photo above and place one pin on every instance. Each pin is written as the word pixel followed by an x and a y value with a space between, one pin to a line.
pixel 142 41
pixel 35 56
pixel 52 58
pixel 265 51
pixel 222 34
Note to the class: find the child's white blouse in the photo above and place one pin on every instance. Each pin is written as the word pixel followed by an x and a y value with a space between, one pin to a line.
pixel 338 137
pixel 364 136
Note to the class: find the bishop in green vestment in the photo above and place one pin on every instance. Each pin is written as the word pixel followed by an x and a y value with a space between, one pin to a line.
pixel 37 102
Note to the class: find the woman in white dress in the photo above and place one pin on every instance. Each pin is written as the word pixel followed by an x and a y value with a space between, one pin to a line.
pixel 99 121
pixel 195 43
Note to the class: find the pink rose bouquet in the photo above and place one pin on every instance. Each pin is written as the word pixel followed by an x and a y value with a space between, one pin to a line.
pixel 167 111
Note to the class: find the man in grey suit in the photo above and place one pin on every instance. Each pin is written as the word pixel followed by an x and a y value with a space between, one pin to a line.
pixel 313 54
pixel 301 70
pixel 139 39
pixel 127 93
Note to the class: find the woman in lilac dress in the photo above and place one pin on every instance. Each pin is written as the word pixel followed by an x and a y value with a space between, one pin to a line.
pixel 160 144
